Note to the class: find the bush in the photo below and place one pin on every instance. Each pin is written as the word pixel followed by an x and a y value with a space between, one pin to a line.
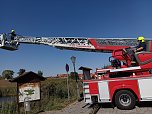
pixel 10 91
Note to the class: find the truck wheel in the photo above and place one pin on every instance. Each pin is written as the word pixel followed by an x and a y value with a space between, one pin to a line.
pixel 125 100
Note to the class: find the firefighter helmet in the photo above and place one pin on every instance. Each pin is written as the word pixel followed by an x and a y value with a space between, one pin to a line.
pixel 13 30
pixel 141 38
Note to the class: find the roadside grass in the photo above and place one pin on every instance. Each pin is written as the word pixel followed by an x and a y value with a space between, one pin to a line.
pixel 7 91
pixel 59 104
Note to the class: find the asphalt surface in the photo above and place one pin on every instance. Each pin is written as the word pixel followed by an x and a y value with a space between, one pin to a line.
pixel 82 108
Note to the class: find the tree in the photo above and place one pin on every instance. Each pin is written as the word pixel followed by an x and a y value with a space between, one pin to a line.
pixel 1 77
pixel 7 74
pixel 106 66
pixel 40 72
pixel 73 75
pixel 21 71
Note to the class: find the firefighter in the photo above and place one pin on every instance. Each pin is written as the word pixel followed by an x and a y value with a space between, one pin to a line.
pixel 142 45
pixel 13 34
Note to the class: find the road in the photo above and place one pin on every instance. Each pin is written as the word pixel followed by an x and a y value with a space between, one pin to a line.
pixel 82 108
pixel 74 108
pixel 143 109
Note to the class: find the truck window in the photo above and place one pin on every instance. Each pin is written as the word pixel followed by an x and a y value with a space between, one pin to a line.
pixel 120 74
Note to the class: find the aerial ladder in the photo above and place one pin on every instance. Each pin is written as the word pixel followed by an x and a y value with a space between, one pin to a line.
pixel 70 43
pixel 119 47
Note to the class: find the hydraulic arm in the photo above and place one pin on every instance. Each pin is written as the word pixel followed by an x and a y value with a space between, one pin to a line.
pixel 117 46
pixel 70 43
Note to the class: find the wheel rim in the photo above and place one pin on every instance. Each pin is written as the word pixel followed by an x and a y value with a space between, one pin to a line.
pixel 125 100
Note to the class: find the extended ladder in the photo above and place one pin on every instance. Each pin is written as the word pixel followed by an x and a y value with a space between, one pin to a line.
pixel 70 43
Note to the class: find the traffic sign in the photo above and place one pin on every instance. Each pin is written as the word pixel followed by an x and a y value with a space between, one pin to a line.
pixel 67 67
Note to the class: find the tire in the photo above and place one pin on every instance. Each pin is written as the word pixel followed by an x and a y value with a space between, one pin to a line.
pixel 125 100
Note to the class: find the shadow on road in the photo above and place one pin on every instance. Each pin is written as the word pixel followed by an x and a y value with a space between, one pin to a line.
pixel 141 104
pixel 145 104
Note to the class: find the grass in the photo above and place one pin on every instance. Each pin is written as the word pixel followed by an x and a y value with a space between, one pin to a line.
pixel 7 88
pixel 6 84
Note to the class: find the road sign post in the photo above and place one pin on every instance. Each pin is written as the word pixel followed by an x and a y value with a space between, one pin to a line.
pixel 67 70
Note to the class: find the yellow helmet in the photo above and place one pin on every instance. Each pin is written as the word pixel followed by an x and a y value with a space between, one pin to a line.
pixel 13 30
pixel 141 38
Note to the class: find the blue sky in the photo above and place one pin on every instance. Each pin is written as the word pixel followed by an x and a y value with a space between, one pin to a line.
pixel 71 18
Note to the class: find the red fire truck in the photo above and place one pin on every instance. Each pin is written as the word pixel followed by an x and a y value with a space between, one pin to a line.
pixel 122 84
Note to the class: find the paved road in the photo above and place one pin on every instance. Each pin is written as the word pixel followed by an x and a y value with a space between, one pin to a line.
pixel 82 108
pixel 137 110
pixel 74 108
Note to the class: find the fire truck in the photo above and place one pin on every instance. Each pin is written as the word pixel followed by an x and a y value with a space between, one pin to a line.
pixel 123 84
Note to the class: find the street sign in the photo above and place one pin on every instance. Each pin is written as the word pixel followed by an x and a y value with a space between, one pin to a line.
pixel 67 67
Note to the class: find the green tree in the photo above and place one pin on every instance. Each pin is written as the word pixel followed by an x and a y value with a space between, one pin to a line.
pixel 40 72
pixel 106 66
pixel 7 74
pixel 74 75
pixel 21 71
pixel 1 77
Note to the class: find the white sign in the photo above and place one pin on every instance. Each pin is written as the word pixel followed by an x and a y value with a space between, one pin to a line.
pixel 30 90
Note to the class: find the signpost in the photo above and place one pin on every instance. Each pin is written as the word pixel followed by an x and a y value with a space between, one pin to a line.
pixel 67 70
pixel 27 106
pixel 73 59
pixel 28 89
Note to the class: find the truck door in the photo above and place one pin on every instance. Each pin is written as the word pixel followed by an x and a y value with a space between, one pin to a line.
pixel 103 91
pixel 145 89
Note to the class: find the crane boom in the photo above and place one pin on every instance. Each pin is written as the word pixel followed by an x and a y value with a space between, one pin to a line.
pixel 116 46
pixel 70 43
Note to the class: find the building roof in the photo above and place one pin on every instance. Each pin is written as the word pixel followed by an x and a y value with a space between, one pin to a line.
pixel 28 77
pixel 84 68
